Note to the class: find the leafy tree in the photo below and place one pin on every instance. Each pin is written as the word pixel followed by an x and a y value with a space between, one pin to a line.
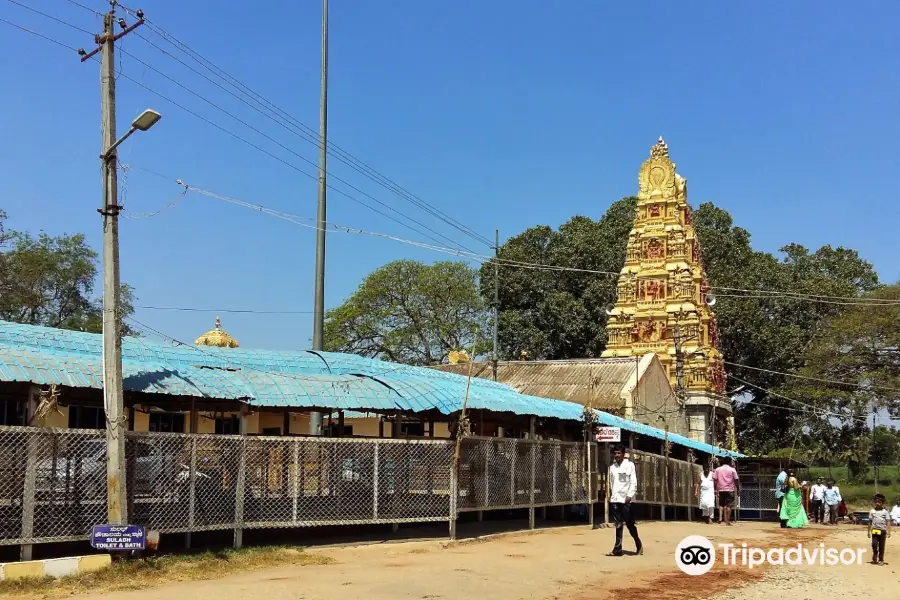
pixel 885 448
pixel 861 346
pixel 560 314
pixel 411 313
pixel 49 280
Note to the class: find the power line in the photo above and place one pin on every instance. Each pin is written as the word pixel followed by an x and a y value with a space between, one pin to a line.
pixel 227 310
pixel 831 381
pixel 40 35
pixel 811 407
pixel 500 261
pixel 304 131
pixel 51 17
pixel 812 298
pixel 482 258
pixel 259 148
pixel 806 295
pixel 87 8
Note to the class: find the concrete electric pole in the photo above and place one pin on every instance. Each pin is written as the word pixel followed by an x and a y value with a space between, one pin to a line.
pixel 113 397
pixel 496 354
pixel 315 418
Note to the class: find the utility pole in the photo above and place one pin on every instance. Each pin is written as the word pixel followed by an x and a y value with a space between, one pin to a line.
pixel 113 397
pixel 315 418
pixel 496 301
pixel 679 364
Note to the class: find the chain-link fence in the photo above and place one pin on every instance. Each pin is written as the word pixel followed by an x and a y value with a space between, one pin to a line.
pixel 53 481
pixel 52 484
pixel 662 485
pixel 497 473
pixel 757 497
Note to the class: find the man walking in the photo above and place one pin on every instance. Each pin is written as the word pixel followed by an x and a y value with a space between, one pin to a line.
pixel 832 497
pixel 727 484
pixel 817 499
pixel 779 495
pixel 623 487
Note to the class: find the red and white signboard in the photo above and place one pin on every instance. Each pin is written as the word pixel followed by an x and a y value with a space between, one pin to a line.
pixel 609 434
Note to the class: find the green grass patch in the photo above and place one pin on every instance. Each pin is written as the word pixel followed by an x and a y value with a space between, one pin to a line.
pixel 858 496
pixel 154 571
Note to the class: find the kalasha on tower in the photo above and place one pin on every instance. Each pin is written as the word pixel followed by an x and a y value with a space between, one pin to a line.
pixel 663 303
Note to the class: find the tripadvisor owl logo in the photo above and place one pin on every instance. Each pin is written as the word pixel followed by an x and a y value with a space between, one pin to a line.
pixel 695 555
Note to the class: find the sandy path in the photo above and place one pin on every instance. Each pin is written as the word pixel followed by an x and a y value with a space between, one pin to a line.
pixel 551 564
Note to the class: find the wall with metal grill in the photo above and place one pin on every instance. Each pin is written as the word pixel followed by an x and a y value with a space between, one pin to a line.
pixel 53 481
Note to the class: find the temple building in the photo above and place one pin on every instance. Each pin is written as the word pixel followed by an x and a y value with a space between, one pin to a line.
pixel 664 306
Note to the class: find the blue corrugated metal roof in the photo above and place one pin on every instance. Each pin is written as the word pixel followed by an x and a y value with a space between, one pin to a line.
pixel 641 429
pixel 265 378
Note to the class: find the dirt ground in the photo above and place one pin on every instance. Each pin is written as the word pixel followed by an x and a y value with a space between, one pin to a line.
pixel 558 564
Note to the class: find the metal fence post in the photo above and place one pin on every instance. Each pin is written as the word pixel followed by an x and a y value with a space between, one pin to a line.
pixel 239 494
pixel 590 486
pixel 296 482
pixel 664 478
pixel 487 472
pixel 532 455
pixel 606 484
pixel 557 456
pixel 192 490
pixel 512 473
pixel 28 491
pixel 453 498
pixel 375 484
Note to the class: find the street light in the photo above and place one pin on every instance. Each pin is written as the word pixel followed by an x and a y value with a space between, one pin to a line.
pixel 113 383
pixel 144 122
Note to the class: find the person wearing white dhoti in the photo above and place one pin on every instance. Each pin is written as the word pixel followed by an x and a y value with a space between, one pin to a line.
pixel 705 492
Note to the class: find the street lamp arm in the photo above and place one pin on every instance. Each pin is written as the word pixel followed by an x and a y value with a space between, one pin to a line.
pixel 109 153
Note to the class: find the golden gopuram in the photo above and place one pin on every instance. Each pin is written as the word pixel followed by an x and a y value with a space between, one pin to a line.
pixel 663 303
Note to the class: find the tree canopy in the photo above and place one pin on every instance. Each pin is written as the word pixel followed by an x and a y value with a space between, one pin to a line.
pixel 49 280
pixel 411 313
pixel 560 314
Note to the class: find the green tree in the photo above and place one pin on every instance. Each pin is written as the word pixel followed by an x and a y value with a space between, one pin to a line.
pixel 560 314
pixel 49 280
pixel 860 346
pixel 411 313
pixel 885 448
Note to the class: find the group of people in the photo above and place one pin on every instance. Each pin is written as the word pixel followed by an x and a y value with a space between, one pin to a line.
pixel 724 482
pixel 826 503
pixel 825 499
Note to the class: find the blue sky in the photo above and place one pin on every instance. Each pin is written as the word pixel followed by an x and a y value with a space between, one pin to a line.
pixel 503 114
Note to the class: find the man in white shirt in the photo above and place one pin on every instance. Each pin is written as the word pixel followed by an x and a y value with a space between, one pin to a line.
pixel 622 489
pixel 817 500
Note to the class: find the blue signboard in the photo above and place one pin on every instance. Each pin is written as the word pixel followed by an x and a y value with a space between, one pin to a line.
pixel 114 538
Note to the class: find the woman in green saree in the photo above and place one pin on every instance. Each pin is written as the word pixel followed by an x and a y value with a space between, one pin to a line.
pixel 792 509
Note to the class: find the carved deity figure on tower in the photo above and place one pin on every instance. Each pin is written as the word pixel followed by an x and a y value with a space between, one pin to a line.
pixel 654 249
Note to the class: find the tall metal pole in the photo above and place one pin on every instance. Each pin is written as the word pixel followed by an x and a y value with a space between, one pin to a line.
pixel 496 353
pixel 113 399
pixel 315 420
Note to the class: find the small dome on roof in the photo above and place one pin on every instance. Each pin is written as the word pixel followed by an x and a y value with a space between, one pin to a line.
pixel 217 337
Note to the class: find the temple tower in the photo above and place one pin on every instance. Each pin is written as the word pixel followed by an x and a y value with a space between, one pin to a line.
pixel 663 303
